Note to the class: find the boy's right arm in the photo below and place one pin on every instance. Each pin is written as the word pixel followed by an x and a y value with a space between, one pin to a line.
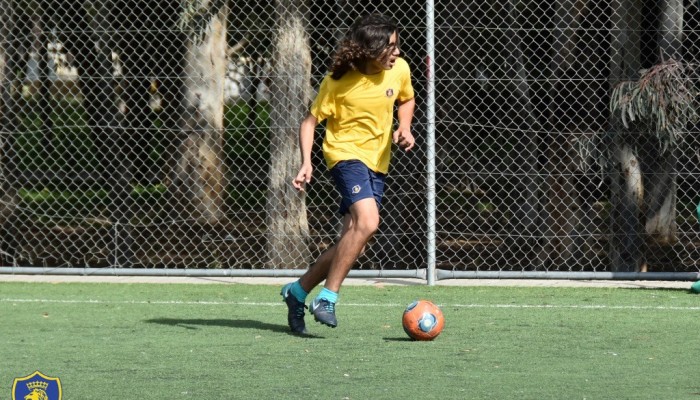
pixel 306 141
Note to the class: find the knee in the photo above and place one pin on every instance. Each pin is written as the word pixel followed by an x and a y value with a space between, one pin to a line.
pixel 364 218
pixel 368 225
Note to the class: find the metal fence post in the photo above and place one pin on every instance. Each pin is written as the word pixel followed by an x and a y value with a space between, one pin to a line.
pixel 430 139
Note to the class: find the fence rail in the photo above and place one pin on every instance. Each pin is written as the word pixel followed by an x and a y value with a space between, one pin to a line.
pixel 554 140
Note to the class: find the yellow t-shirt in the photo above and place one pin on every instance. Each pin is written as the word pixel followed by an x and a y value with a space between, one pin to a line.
pixel 360 112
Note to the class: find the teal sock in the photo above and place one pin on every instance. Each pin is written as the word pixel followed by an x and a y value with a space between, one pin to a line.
pixel 328 295
pixel 298 291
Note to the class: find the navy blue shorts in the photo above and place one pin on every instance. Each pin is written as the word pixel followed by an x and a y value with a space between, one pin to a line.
pixel 355 181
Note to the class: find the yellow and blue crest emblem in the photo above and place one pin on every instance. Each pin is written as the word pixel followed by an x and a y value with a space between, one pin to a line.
pixel 36 386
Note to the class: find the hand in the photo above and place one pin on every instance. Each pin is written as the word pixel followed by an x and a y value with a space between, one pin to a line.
pixel 404 139
pixel 303 177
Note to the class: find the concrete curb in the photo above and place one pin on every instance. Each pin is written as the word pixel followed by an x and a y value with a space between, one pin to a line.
pixel 349 281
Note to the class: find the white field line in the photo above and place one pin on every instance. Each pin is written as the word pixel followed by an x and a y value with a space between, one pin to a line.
pixel 278 304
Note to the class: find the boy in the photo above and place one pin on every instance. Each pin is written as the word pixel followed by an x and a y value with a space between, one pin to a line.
pixel 357 99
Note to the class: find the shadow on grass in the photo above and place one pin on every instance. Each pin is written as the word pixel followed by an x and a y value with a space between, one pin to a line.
pixel 398 339
pixel 226 323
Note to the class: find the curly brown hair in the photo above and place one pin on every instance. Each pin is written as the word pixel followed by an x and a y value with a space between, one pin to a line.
pixel 366 40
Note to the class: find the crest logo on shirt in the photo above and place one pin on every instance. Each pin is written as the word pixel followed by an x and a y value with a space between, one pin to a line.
pixel 356 189
pixel 389 92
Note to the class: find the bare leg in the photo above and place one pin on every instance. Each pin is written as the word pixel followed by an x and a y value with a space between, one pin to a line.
pixel 335 263
pixel 319 270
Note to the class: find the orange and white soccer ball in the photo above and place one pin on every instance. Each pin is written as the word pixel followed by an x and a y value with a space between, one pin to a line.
pixel 423 320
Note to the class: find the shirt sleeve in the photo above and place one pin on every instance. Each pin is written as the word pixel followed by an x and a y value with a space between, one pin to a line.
pixel 324 103
pixel 406 89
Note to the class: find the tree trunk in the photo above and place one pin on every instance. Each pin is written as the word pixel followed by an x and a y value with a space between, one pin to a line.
pixel 290 93
pixel 660 196
pixel 670 29
pixel 627 191
pixel 625 49
pixel 97 85
pixel 94 45
pixel 171 46
pixel 625 245
pixel 563 203
pixel 651 196
pixel 40 24
pixel 9 87
pixel 199 181
pixel 526 202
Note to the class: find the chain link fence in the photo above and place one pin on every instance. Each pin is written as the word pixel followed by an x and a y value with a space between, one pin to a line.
pixel 163 136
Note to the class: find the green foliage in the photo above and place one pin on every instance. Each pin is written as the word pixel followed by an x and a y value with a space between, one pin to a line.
pixel 247 140
pixel 665 97
pixel 72 147
pixel 52 206
pixel 246 147
pixel 242 198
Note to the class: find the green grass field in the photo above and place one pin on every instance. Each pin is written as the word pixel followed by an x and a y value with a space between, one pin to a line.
pixel 230 341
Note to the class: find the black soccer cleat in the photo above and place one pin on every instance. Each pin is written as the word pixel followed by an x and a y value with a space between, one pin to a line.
pixel 295 311
pixel 324 312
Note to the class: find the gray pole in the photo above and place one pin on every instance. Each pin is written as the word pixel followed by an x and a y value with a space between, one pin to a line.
pixel 430 139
